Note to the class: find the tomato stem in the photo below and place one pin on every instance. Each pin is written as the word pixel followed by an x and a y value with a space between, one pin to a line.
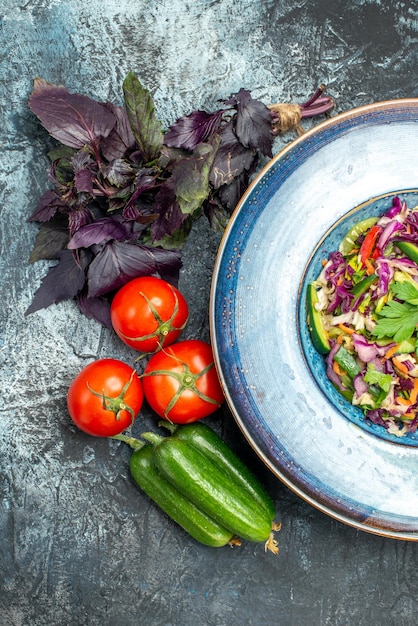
pixel 164 326
pixel 186 380
pixel 115 404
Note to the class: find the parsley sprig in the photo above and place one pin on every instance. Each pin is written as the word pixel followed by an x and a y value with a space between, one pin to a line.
pixel 399 318
pixel 374 377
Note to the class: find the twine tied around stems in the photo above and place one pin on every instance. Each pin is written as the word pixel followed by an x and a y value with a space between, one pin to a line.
pixel 289 116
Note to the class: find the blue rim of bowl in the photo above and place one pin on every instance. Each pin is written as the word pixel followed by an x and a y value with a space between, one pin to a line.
pixel 315 362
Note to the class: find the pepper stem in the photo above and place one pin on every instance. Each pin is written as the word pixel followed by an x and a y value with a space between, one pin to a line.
pixel 135 444
pixel 169 426
pixel 152 437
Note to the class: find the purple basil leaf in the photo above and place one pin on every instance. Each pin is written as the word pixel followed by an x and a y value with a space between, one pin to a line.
pixel 61 173
pixel 168 239
pixel 166 262
pixel 84 171
pixel 121 138
pixel 141 114
pixel 139 215
pixel 144 181
pixel 118 262
pixel 253 122
pixel 95 308
pixel 52 237
pixel 61 152
pixel 97 232
pixel 118 200
pixel 170 156
pixel 118 173
pixel 231 159
pixel 48 205
pixel 62 282
pixel 193 129
pixel 217 215
pixel 170 217
pixel 81 159
pixel 75 120
pixel 79 218
pixel 177 239
pixel 83 180
pixel 191 178
pixel 230 194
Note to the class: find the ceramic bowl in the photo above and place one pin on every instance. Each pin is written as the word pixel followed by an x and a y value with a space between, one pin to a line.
pixel 295 211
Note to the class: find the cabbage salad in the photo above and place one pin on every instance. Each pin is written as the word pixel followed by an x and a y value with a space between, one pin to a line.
pixel 367 301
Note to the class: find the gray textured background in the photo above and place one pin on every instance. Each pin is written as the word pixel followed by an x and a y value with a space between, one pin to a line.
pixel 79 544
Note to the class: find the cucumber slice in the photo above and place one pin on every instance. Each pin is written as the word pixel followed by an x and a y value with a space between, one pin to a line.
pixel 348 242
pixel 347 362
pixel 316 328
pixel 361 287
pixel 408 248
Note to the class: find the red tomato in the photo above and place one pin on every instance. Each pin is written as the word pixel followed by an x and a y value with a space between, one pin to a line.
pixel 105 397
pixel 181 383
pixel 148 312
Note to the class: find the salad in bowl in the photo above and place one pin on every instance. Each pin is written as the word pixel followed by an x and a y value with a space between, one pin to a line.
pixel 363 317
